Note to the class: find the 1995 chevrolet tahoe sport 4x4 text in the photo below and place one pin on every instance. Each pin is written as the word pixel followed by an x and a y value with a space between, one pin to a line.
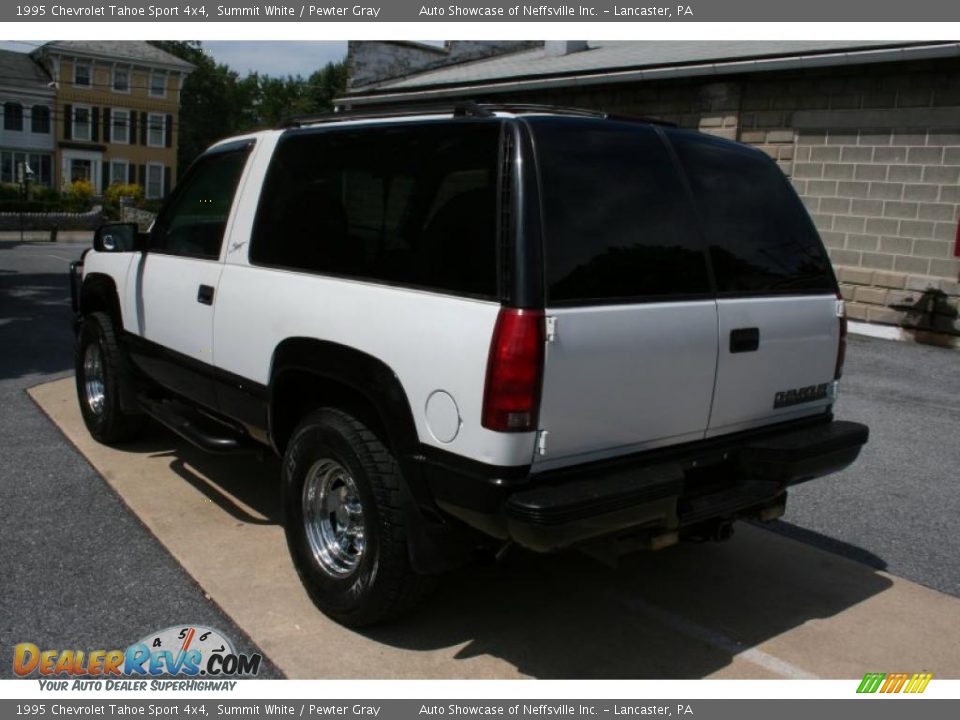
pixel 476 326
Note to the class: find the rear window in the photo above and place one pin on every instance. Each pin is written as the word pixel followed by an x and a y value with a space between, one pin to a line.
pixel 404 204
pixel 616 223
pixel 759 234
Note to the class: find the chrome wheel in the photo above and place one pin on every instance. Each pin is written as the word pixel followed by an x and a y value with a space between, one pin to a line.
pixel 333 517
pixel 93 378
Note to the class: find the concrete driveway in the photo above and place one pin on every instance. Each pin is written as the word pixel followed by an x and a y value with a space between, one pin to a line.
pixel 104 545
pixel 761 606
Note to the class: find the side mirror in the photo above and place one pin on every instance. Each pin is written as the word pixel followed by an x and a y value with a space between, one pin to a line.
pixel 118 237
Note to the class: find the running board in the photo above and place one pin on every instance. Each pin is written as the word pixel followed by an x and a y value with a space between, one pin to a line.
pixel 197 428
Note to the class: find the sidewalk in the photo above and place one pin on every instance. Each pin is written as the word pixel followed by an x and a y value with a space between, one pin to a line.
pixel 63 236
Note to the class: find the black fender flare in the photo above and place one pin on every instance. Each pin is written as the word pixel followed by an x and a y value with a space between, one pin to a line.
pixel 433 540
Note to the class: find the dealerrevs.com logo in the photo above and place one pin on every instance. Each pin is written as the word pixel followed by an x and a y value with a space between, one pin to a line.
pixel 184 651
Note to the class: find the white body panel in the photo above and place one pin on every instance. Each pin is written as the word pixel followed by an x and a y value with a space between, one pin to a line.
pixel 168 310
pixel 623 378
pixel 618 379
pixel 431 341
pixel 798 348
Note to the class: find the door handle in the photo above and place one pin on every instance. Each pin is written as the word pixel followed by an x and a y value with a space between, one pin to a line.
pixel 205 295
pixel 744 340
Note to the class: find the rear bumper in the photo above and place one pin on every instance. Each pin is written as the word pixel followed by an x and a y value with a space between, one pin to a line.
pixel 658 494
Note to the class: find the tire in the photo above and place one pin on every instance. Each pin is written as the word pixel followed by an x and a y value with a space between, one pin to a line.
pixel 102 375
pixel 350 551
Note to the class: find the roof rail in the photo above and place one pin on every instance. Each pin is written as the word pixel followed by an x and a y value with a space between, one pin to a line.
pixel 467 108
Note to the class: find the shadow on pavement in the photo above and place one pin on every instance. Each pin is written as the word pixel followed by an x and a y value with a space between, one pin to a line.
pixel 35 331
pixel 685 612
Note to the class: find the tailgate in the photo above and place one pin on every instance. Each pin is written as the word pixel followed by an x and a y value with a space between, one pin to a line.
pixel 777 360
pixel 623 378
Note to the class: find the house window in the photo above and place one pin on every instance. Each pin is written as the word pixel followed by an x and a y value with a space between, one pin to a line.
pixel 121 79
pixel 119 172
pixel 40 163
pixel 81 170
pixel 154 187
pixel 158 84
pixel 120 126
pixel 40 120
pixel 42 166
pixel 13 116
pixel 82 74
pixel 81 122
pixel 155 129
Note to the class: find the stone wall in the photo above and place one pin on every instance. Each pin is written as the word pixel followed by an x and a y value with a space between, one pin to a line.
pixel 48 221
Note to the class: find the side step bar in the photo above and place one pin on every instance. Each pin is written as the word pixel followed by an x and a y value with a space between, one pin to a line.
pixel 197 428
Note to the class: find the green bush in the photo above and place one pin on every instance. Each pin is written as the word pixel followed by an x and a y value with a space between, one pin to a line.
pixel 78 196
pixel 116 193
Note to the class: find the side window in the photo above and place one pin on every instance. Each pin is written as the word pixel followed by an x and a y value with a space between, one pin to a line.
pixel 193 222
pixel 760 236
pixel 412 204
pixel 616 222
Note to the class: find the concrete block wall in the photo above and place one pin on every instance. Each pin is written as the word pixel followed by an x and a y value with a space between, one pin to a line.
pixel 884 199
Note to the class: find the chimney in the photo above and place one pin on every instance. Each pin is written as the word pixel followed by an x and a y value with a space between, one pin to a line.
pixel 559 48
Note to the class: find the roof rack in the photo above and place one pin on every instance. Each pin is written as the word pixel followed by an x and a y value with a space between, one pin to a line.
pixel 463 109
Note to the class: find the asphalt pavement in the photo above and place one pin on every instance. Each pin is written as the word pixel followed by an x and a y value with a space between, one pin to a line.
pixel 79 569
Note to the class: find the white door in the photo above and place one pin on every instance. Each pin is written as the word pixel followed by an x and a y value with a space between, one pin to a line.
pixel 176 281
pixel 633 359
pixel 777 303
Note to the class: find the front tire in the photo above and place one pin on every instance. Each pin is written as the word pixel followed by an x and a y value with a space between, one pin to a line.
pixel 345 523
pixel 102 375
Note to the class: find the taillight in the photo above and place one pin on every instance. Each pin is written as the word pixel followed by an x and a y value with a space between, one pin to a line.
pixel 511 397
pixel 842 345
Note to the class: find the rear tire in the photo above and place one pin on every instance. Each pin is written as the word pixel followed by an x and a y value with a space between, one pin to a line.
pixel 102 375
pixel 345 522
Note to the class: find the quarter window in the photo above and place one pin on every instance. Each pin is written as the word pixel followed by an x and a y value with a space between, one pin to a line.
pixel 412 205
pixel 193 221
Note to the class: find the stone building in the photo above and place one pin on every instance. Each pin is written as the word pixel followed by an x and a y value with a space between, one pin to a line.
pixel 868 132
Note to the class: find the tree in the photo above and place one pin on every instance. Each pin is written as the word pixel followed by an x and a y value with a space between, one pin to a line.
pixel 216 102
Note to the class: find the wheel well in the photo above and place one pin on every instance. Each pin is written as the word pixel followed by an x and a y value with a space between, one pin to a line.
pixel 99 294
pixel 297 392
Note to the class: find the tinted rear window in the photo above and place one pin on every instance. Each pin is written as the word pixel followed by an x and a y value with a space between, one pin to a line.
pixel 760 236
pixel 406 204
pixel 616 220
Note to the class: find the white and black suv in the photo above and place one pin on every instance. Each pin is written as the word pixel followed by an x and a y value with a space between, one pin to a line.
pixel 467 327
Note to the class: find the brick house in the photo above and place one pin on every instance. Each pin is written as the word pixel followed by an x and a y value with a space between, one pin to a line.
pixel 868 132
pixel 117 112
